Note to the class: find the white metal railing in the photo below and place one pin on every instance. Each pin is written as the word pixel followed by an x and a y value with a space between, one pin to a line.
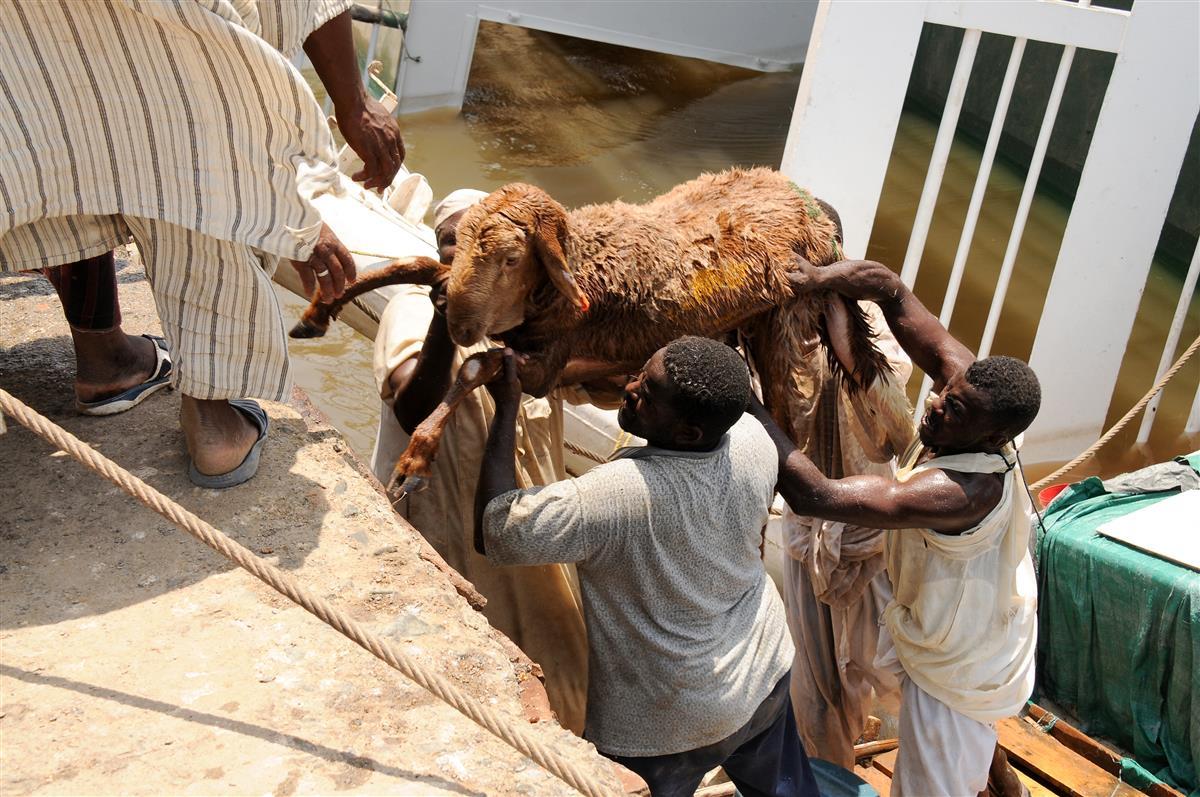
pixel 1193 421
pixel 985 169
pixel 1168 354
pixel 941 154
pixel 855 71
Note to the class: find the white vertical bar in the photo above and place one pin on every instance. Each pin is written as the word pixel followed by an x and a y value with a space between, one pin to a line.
pixel 941 153
pixel 1124 191
pixel 859 61
pixel 1168 355
pixel 1031 181
pixel 1193 421
pixel 981 181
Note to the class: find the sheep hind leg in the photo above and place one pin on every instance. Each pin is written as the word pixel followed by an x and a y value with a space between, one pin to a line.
pixel 407 270
pixel 415 465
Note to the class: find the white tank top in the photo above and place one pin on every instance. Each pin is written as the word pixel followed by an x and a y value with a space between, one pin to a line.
pixel 964 615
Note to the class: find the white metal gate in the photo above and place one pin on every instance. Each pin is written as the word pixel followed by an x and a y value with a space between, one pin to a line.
pixel 847 109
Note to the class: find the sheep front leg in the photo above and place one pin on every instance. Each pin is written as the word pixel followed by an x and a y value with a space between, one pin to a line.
pixel 415 465
pixel 408 270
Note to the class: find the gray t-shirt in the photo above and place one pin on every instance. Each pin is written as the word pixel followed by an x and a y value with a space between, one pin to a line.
pixel 686 634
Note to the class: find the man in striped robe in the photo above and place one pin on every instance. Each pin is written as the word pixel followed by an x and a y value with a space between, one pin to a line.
pixel 184 127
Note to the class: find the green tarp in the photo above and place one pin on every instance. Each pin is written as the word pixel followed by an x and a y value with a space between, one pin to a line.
pixel 1119 633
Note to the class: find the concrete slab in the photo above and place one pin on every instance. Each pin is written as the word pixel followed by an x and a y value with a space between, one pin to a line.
pixel 134 660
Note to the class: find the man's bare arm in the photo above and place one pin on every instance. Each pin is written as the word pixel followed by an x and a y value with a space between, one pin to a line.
pixel 498 473
pixel 366 125
pixel 944 501
pixel 918 331
pixel 419 383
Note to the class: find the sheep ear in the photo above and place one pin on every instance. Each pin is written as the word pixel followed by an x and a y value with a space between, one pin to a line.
pixel 549 238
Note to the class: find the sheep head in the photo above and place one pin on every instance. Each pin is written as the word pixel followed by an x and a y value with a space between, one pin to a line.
pixel 508 246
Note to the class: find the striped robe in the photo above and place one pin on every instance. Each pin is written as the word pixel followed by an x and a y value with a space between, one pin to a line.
pixel 182 125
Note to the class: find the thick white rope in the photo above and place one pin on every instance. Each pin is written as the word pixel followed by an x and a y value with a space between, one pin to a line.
pixel 1121 424
pixel 513 734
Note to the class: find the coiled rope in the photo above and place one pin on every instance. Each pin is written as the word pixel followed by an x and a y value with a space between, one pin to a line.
pixel 1121 424
pixel 515 735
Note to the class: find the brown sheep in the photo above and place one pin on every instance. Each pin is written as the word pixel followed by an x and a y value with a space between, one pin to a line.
pixel 595 291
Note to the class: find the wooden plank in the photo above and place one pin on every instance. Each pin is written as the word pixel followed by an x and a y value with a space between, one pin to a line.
pixel 1033 752
pixel 1070 736
pixel 879 781
pixel 886 763
pixel 1035 789
pixel 877 747
pixel 884 766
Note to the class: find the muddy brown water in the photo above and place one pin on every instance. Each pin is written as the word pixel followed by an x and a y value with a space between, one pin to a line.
pixel 592 123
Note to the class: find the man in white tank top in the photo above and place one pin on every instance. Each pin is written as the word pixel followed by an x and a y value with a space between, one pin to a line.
pixel 963 620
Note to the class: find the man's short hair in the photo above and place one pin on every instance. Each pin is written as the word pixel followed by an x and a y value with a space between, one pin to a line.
pixel 1012 388
pixel 833 215
pixel 711 383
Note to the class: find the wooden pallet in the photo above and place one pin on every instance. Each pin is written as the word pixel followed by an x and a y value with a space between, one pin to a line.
pixel 1044 765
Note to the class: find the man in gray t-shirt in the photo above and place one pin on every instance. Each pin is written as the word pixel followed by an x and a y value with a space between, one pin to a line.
pixel 688 648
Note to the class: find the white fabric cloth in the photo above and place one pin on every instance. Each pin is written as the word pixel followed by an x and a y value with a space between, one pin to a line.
pixel 455 201
pixel 835 657
pixel 409 195
pixel 942 753
pixel 183 112
pixel 964 617
pixel 686 633
pixel 835 580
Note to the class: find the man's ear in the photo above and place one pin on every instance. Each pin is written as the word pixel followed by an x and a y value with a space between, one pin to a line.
pixel 688 434
pixel 998 439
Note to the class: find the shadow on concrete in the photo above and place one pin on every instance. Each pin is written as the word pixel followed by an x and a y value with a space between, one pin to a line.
pixel 72 544
pixel 237 726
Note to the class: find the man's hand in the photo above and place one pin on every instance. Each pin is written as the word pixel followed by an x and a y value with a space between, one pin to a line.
pixel 374 136
pixel 330 266
pixel 804 276
pixel 498 472
pixel 854 279
pixel 918 331
pixel 369 130
pixel 506 387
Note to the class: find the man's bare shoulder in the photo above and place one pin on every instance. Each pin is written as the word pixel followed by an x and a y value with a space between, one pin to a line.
pixel 954 501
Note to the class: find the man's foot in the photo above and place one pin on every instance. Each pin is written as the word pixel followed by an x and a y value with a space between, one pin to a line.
pixel 1002 778
pixel 219 436
pixel 109 363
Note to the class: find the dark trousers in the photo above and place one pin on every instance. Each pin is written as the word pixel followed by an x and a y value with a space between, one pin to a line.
pixel 764 758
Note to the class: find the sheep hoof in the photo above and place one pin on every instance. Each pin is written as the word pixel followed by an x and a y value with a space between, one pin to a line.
pixel 407 485
pixel 304 329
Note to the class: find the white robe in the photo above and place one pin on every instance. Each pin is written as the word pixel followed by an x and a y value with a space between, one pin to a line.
pixel 964 614
pixel 961 632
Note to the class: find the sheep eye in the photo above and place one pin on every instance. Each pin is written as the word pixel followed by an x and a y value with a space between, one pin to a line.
pixel 511 261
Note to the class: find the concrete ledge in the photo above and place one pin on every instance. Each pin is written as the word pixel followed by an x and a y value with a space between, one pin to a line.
pixel 134 660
